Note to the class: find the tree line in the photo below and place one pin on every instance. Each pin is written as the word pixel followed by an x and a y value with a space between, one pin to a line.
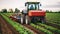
pixel 10 10
pixel 17 10
pixel 47 11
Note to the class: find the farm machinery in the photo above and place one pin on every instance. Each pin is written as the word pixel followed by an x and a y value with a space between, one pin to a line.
pixel 32 13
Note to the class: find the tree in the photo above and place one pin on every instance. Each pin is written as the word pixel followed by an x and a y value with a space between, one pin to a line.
pixel 4 10
pixel 47 11
pixel 58 11
pixel 50 11
pixel 11 10
pixel 17 10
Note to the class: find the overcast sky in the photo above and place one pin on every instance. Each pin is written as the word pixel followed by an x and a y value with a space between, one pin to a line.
pixel 46 4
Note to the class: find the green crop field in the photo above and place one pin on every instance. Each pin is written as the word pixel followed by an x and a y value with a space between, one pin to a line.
pixel 53 17
pixel 52 25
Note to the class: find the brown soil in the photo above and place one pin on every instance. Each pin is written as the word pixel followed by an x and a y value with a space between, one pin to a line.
pixel 6 28
pixel 49 30
pixel 33 29
pixel 54 25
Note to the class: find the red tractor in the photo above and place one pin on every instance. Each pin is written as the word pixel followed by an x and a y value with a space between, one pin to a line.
pixel 33 13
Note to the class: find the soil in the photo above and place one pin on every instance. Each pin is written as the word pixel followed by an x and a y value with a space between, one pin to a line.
pixel 49 30
pixel 54 25
pixel 33 29
pixel 6 28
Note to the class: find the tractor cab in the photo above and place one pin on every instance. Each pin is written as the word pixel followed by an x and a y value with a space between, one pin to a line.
pixel 33 9
pixel 32 5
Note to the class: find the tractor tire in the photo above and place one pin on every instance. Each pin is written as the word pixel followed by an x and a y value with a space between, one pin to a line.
pixel 22 19
pixel 34 19
pixel 43 20
pixel 27 20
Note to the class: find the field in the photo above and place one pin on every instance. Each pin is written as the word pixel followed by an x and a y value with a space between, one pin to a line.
pixel 52 25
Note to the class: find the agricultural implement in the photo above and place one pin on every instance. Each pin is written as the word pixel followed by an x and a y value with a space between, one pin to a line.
pixel 31 14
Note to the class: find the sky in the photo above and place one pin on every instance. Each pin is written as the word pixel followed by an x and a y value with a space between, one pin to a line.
pixel 53 5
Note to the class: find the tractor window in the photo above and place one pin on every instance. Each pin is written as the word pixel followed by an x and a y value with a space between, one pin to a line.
pixel 37 6
pixel 31 7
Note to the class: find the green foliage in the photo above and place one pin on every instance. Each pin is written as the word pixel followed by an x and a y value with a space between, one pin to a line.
pixel 49 28
pixel 17 10
pixel 8 14
pixel 47 11
pixel 58 11
pixel 17 26
pixel 41 29
pixel 10 10
pixel 4 10
pixel 53 18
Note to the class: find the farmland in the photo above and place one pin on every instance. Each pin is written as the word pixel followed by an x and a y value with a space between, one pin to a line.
pixel 52 25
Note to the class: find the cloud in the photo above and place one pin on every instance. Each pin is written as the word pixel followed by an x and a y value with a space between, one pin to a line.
pixel 54 5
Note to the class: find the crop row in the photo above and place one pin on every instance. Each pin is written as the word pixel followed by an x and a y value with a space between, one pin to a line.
pixel 17 26
pixel 49 28
pixel 53 17
pixel 41 29
pixel 8 14
pixel 53 23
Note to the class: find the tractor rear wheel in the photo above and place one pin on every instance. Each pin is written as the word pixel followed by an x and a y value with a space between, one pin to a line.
pixel 27 20
pixel 22 19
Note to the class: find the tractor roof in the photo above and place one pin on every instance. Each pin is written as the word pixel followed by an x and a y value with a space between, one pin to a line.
pixel 32 2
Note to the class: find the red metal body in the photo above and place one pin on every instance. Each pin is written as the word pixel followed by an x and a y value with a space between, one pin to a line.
pixel 36 13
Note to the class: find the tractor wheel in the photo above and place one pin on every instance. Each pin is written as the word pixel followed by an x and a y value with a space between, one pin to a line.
pixel 43 20
pixel 21 19
pixel 27 20
pixel 34 19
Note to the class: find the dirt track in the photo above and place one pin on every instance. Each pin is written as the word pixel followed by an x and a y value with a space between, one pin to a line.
pixel 6 28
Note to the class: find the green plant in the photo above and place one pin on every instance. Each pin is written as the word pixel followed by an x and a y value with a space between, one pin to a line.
pixel 41 29
pixel 49 27
pixel 17 26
